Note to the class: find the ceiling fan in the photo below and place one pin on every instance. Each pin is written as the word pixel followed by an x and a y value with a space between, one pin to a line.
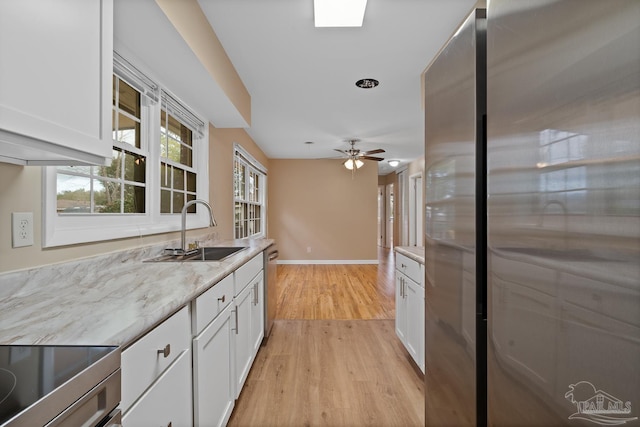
pixel 355 156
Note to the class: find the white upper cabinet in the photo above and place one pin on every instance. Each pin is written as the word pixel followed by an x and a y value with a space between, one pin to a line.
pixel 55 81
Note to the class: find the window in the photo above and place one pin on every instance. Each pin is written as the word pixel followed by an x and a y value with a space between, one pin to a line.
pixel 160 161
pixel 178 176
pixel 117 188
pixel 249 183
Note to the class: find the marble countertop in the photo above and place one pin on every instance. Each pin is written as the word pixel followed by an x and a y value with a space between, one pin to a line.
pixel 416 253
pixel 109 299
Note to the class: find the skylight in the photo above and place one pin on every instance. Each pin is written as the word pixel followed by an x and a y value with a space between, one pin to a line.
pixel 339 13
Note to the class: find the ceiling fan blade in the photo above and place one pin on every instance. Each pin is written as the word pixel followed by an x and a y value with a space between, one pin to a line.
pixel 376 151
pixel 377 159
pixel 341 151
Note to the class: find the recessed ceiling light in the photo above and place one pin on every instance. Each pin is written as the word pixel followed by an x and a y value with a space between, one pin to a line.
pixel 339 13
pixel 367 83
pixel 394 163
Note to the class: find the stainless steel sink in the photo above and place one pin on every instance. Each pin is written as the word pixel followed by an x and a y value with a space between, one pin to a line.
pixel 212 253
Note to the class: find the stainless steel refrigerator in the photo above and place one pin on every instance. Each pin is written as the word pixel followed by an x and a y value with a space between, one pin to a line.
pixel 532 210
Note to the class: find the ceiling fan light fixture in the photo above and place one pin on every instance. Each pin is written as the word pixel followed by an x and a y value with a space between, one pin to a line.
pixel 350 163
pixel 394 163
pixel 339 13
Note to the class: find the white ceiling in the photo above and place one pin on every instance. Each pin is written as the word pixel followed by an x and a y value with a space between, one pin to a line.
pixel 302 79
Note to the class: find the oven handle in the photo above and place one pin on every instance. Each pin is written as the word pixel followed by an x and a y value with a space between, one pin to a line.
pixel 273 255
pixel 115 419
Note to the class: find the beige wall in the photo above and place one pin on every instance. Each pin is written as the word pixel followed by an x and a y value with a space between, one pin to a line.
pixel 221 173
pixel 21 191
pixel 317 204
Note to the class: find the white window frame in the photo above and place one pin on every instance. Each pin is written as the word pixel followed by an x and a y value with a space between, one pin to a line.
pixel 60 230
pixel 255 166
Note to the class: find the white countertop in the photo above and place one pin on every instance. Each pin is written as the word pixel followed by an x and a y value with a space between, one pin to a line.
pixel 108 299
pixel 416 253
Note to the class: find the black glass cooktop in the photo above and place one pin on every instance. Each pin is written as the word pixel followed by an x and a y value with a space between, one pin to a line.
pixel 29 373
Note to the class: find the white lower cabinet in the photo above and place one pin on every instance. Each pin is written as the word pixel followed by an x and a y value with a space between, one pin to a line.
pixel 410 307
pixel 190 369
pixel 213 371
pixel 228 327
pixel 156 370
pixel 414 343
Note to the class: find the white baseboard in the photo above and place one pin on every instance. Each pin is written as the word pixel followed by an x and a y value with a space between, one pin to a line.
pixel 327 261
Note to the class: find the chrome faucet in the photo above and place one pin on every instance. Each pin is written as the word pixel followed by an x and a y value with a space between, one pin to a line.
pixel 183 230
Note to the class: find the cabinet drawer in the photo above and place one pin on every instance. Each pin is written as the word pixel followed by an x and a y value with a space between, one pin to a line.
pixel 247 272
pixel 211 303
pixel 409 267
pixel 168 401
pixel 144 361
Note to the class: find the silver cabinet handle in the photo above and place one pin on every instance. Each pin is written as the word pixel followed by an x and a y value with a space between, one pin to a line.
pixel 255 293
pixel 221 299
pixel 236 312
pixel 165 351
pixel 273 255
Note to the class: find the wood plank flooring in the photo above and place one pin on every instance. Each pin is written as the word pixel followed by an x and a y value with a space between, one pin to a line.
pixel 328 366
pixel 347 291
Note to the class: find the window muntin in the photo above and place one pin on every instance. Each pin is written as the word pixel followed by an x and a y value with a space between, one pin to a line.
pixel 249 197
pixel 177 176
pixel 119 188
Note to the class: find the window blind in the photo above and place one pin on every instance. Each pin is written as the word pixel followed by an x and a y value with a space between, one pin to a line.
pixel 182 113
pixel 136 78
pixel 248 158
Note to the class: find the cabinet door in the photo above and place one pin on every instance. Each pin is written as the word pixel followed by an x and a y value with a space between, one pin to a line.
pixel 401 307
pixel 213 373
pixel 168 401
pixel 242 337
pixel 415 321
pixel 55 80
pixel 257 314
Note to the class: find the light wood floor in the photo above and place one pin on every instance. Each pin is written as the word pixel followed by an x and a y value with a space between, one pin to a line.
pixel 362 291
pixel 323 364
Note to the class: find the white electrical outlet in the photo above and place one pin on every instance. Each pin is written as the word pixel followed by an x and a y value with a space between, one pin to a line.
pixel 22 229
pixel 308 249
